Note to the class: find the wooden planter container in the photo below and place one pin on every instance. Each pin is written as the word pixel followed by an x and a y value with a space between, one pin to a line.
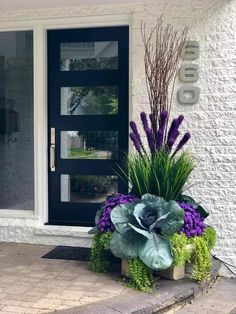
pixel 173 272
pixel 124 268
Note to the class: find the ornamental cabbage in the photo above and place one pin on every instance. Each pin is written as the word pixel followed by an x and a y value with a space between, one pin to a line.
pixel 143 228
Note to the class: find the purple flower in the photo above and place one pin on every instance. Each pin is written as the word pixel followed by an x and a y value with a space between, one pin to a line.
pixel 174 132
pixel 180 120
pixel 171 140
pixel 161 130
pixel 133 127
pixel 153 125
pixel 193 221
pixel 151 141
pixel 104 223
pixel 136 142
pixel 157 138
pixel 182 142
pixel 143 117
pixel 135 137
pixel 148 131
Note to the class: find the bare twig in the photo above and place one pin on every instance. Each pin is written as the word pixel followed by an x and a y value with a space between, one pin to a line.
pixel 163 47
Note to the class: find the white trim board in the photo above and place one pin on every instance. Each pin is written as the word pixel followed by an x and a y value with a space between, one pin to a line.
pixel 86 11
pixel 14 213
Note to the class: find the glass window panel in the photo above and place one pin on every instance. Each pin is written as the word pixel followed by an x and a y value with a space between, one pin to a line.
pixel 89 100
pixel 87 188
pixel 89 144
pixel 16 120
pixel 81 56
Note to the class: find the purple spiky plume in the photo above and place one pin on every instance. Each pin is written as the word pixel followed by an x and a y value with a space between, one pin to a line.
pixel 182 142
pixel 161 130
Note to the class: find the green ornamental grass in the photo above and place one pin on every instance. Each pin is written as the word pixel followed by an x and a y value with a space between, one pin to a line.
pixel 162 174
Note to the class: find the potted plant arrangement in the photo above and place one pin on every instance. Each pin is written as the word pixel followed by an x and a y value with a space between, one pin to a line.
pixel 152 228
pixel 157 227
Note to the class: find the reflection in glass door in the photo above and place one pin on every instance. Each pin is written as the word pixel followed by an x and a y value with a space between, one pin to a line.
pixel 88 120
pixel 16 121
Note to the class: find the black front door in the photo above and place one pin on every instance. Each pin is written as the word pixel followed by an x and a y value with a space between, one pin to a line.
pixel 87 120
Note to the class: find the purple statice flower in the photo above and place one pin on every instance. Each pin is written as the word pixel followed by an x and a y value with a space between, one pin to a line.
pixel 153 125
pixel 104 223
pixel 148 131
pixel 182 142
pixel 152 120
pixel 143 117
pixel 193 221
pixel 136 142
pixel 136 138
pixel 180 120
pixel 161 130
pixel 150 139
pixel 134 128
pixel 171 140
pixel 153 130
pixel 174 132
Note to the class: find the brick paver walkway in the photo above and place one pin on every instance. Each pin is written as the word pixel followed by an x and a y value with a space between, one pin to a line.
pixel 30 284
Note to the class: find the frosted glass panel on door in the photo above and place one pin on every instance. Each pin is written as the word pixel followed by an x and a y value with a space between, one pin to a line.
pixel 89 144
pixel 89 100
pixel 83 56
pixel 16 120
pixel 87 188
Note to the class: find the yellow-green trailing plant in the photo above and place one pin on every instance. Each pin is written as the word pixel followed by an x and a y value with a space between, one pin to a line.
pixel 209 236
pixel 202 261
pixel 98 258
pixel 182 254
pixel 141 277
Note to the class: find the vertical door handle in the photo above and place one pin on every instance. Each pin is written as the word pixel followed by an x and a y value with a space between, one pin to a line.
pixel 52 150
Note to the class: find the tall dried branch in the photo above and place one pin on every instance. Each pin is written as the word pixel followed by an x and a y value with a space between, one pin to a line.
pixel 163 47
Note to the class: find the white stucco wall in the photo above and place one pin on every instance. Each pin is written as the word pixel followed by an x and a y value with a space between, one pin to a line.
pixel 212 121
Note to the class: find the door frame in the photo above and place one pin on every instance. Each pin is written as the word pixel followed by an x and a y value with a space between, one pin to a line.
pixel 40 25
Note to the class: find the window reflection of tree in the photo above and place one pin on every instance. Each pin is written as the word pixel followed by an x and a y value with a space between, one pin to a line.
pixel 102 63
pixel 94 100
pixel 101 140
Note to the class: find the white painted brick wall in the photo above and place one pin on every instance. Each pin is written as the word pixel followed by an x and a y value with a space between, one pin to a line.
pixel 212 121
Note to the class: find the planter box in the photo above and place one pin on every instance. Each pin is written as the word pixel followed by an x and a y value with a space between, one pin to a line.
pixel 124 268
pixel 173 273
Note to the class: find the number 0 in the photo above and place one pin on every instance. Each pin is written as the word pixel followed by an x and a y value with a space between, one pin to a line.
pixel 189 94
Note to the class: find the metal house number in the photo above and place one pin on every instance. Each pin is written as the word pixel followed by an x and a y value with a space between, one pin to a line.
pixel 189 94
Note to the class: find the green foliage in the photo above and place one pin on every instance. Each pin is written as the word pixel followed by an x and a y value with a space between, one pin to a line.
pixel 202 260
pixel 180 251
pixel 140 275
pixel 201 255
pixel 98 258
pixel 161 174
pixel 209 236
pixel 143 228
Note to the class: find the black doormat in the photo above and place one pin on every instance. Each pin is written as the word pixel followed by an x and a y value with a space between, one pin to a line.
pixel 76 254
